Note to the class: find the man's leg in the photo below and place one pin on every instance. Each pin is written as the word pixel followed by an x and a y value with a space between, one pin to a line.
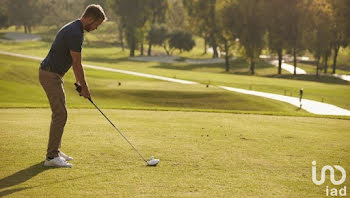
pixel 53 86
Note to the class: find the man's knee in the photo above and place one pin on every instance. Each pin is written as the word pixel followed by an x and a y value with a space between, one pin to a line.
pixel 60 116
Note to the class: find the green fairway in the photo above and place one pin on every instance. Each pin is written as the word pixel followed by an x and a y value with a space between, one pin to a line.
pixel 20 88
pixel 202 154
pixel 328 90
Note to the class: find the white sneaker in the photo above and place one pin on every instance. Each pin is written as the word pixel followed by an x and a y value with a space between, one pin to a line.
pixel 58 162
pixel 66 157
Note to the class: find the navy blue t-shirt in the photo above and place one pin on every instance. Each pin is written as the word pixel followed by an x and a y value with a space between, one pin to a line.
pixel 69 37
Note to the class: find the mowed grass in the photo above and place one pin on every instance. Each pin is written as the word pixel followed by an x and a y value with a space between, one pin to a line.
pixel 19 87
pixel 327 90
pixel 201 154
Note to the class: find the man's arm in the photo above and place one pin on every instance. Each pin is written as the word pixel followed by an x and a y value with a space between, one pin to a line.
pixel 79 73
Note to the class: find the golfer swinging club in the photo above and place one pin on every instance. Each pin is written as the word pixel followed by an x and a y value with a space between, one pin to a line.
pixel 64 53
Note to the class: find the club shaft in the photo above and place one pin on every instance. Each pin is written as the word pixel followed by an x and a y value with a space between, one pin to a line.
pixel 117 130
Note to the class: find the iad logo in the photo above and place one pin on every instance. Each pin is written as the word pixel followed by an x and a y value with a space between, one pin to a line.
pixel 333 191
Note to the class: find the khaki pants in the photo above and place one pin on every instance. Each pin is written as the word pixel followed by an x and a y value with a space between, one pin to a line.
pixel 53 86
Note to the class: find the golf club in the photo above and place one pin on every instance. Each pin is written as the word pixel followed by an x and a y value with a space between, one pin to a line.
pixel 151 162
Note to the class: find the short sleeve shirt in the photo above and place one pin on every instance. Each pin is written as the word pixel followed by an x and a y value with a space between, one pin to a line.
pixel 69 37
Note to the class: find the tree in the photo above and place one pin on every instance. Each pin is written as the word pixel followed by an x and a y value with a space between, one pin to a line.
pixel 175 15
pixel 226 36
pixel 202 16
pixel 338 28
pixel 320 39
pixel 157 13
pixel 296 27
pixel 58 13
pixel 275 13
pixel 3 18
pixel 26 13
pixel 346 12
pixel 102 3
pixel 180 40
pixel 134 15
pixel 245 19
pixel 157 34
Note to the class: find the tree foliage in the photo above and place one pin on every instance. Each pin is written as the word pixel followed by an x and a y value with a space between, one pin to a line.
pixel 181 40
pixel 277 28
pixel 320 34
pixel 157 34
pixel 26 13
pixel 3 18
pixel 134 15
pixel 245 19
pixel 203 17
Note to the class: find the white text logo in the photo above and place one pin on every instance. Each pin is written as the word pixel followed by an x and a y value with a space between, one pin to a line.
pixel 332 191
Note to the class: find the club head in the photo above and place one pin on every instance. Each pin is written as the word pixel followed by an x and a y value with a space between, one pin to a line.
pixel 152 162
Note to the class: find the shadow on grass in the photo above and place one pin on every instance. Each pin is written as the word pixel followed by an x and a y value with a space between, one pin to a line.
pixel 309 77
pixel 28 173
pixel 101 44
pixel 220 100
pixel 105 59
pixel 8 192
pixel 20 177
pixel 237 66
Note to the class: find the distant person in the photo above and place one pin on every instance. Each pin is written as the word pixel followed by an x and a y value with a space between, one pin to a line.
pixel 301 92
pixel 64 53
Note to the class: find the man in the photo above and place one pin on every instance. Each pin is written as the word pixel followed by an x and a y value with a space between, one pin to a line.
pixel 64 53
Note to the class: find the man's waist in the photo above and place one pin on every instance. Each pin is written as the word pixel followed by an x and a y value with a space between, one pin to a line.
pixel 48 69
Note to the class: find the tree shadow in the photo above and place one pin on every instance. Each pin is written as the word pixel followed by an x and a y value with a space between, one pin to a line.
pixel 21 176
pixel 311 77
pixel 237 66
pixel 100 59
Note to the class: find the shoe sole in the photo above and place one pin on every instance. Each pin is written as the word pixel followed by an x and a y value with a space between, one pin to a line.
pixel 49 165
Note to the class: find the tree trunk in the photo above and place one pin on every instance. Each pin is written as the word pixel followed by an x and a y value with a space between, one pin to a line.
pixel 25 29
pixel 121 39
pixel 317 67
pixel 336 50
pixel 205 46
pixel 29 29
pixel 166 50
pixel 149 49
pixel 132 47
pixel 141 50
pixel 280 61
pixel 215 50
pixel 227 63
pixel 325 63
pixel 252 67
pixel 295 61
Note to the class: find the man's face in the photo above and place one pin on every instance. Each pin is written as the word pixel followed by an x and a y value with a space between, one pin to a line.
pixel 92 24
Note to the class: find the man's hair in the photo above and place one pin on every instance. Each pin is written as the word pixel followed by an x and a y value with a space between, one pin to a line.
pixel 95 11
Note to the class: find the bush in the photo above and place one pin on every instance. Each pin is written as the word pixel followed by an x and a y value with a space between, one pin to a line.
pixel 157 34
pixel 181 40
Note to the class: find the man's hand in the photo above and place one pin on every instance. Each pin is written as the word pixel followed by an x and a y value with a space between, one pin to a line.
pixel 80 90
pixel 85 92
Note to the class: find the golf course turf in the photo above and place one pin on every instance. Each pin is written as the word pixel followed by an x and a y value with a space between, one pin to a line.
pixel 202 154
pixel 210 142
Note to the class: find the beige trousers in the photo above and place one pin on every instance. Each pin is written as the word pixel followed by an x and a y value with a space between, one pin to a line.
pixel 53 86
